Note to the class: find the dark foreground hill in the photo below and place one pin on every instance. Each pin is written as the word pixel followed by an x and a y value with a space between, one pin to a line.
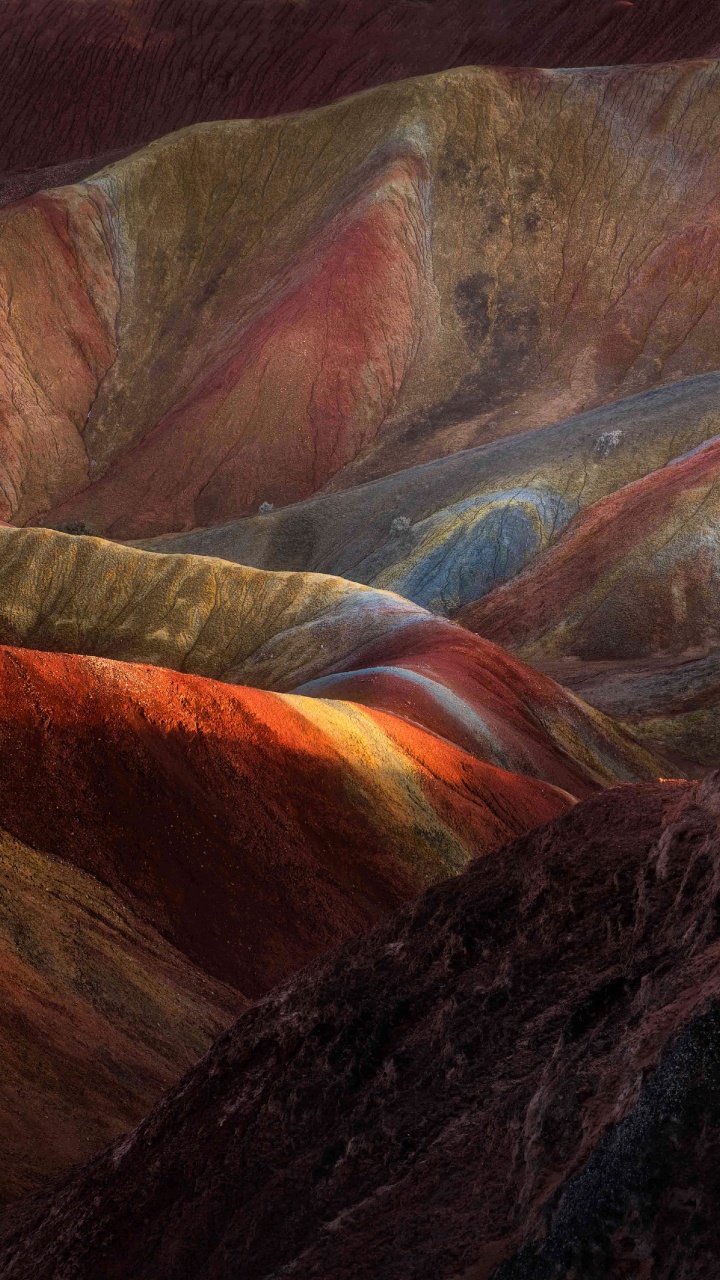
pixel 516 1076
pixel 83 79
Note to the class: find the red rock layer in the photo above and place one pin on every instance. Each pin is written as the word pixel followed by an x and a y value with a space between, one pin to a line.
pixel 517 1076
pixel 310 381
pixel 58 305
pixel 80 80
pixel 252 835
pixel 633 576
pixel 532 725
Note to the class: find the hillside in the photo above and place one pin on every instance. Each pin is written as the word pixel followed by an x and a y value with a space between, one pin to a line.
pixel 453 1094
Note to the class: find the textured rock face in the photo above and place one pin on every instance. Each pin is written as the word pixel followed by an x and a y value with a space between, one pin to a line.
pixel 456 337
pixel 445 533
pixel 82 79
pixel 58 307
pixel 299 302
pixel 636 576
pixel 514 1077
pixel 100 1013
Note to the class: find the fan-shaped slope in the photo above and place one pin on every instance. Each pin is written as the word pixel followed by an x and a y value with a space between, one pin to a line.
pixel 100 1013
pixel 454 1094
pixel 284 631
pixel 299 302
pixel 82 79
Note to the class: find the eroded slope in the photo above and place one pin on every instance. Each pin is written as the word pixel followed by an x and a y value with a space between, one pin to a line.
pixel 252 829
pixel 100 1014
pixel 300 300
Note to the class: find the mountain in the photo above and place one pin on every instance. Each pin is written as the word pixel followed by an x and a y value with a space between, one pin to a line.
pixel 446 532
pixel 359 639
pixel 310 634
pixel 252 830
pixel 515 1077
pixel 248 312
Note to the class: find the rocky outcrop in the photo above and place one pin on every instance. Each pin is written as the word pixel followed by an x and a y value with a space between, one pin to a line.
pixel 514 1077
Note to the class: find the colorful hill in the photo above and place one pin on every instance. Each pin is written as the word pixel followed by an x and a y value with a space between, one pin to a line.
pixel 445 533
pixel 453 1094
pixel 100 1014
pixel 295 631
pixel 358 538
pixel 253 830
pixel 82 80
pixel 220 324
pixel 632 580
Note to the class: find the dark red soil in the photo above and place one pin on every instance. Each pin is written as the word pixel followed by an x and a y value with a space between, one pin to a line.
pixel 79 79
pixel 516 1076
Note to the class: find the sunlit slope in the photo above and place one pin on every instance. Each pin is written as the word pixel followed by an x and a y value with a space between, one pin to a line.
pixel 253 829
pixel 282 631
pixel 334 296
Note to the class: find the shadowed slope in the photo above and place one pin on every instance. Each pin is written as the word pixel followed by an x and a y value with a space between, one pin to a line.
pixel 671 704
pixel 80 79
pixel 454 1095
pixel 254 830
pixel 305 291
pixel 99 1014
pixel 285 630
pixel 633 579
pixel 445 533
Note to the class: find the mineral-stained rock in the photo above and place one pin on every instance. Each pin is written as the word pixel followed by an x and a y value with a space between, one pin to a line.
pixel 327 298
pixel 516 1077
pixel 58 306
pixel 446 532
pixel 322 635
pixel 632 585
